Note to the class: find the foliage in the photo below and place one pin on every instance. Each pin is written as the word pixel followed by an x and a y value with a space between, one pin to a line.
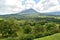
pixel 29 29
pixel 8 28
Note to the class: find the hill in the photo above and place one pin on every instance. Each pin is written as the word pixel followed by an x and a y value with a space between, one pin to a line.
pixel 52 37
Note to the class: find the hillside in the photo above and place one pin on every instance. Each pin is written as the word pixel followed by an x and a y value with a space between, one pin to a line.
pixel 52 37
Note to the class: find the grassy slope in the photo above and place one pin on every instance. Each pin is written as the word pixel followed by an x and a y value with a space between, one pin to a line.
pixel 52 37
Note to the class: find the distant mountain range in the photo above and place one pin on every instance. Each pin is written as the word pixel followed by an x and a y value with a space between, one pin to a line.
pixel 54 13
pixel 30 13
pixel 23 14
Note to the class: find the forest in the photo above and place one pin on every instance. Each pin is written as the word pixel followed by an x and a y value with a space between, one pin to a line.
pixel 29 28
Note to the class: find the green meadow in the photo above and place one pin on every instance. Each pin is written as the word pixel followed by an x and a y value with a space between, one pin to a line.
pixel 52 37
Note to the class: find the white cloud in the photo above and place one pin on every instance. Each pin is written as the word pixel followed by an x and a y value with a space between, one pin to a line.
pixel 48 6
pixel 11 6
pixel 10 2
pixel 29 4
pixel 14 6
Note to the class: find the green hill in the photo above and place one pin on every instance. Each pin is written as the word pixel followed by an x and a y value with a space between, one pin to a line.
pixel 52 37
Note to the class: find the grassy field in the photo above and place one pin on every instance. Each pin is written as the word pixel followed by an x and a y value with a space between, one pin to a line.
pixel 52 37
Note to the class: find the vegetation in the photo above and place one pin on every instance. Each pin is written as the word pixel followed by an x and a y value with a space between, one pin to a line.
pixel 28 28
pixel 52 37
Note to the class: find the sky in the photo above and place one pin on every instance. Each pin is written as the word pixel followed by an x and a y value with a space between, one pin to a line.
pixel 15 6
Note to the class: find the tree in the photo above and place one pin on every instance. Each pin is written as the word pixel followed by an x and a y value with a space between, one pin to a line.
pixel 50 28
pixel 27 29
pixel 8 28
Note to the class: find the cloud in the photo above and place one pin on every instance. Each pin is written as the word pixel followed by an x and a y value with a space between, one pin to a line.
pixel 48 6
pixel 36 1
pixel 29 4
pixel 11 6
pixel 14 6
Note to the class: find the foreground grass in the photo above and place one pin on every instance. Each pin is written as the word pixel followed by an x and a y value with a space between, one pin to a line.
pixel 52 37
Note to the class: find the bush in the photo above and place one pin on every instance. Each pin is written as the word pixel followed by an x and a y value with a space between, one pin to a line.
pixel 26 37
pixel 27 29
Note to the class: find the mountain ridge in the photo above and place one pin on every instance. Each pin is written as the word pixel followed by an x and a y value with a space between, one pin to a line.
pixel 31 12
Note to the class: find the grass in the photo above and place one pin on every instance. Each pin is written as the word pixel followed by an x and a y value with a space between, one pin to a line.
pixel 52 37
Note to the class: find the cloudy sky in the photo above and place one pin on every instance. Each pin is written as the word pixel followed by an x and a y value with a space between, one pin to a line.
pixel 14 6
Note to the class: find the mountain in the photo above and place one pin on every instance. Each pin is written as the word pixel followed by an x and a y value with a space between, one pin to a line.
pixel 29 13
pixel 32 11
pixel 54 13
pixel 23 14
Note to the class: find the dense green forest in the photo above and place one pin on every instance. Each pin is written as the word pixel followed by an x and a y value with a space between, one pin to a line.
pixel 28 28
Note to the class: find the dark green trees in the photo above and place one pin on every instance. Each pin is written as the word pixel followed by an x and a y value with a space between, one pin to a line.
pixel 8 28
pixel 28 29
